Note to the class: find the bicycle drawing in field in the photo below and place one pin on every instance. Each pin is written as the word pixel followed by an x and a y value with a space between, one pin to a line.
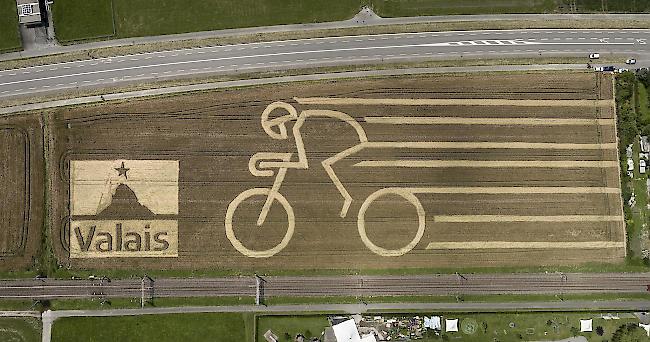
pixel 269 164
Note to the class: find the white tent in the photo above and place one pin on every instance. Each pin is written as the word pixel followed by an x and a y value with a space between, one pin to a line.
pixel 346 331
pixel 368 338
pixel 586 325
pixel 433 322
pixel 451 325
pixel 646 327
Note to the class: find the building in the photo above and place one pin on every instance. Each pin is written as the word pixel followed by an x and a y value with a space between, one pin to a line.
pixel 29 12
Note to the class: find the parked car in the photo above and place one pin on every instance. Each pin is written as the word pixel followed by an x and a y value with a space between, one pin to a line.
pixel 605 68
pixel 622 70
pixel 594 56
pixel 631 61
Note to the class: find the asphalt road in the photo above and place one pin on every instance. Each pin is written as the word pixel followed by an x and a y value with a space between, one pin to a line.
pixel 387 48
pixel 447 284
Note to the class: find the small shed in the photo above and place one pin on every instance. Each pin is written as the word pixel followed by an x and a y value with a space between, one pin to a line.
pixel 29 11
pixel 642 166
pixel 451 325
pixel 586 325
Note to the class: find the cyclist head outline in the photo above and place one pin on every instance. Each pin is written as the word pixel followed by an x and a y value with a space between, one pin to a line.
pixel 269 124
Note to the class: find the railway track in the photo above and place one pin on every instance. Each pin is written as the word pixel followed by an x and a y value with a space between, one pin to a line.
pixel 326 286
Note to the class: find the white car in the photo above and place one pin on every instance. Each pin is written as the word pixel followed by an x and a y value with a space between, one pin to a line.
pixel 594 56
pixel 630 61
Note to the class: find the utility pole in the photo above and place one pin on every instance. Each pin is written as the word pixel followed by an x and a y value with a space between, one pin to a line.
pixel 142 298
pixel 259 290
pixel 142 288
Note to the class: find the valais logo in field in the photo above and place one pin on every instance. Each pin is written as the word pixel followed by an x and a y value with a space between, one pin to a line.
pixel 123 208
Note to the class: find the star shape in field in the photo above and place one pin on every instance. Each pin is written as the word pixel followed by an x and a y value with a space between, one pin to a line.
pixel 122 171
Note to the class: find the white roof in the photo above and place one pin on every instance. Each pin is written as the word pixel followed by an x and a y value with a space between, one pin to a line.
pixel 346 332
pixel 586 325
pixel 433 322
pixel 646 327
pixel 369 338
pixel 451 325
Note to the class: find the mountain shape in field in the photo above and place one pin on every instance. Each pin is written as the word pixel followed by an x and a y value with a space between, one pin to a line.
pixel 125 204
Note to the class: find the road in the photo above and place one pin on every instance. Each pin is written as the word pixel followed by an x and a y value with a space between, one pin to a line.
pixel 324 286
pixel 330 51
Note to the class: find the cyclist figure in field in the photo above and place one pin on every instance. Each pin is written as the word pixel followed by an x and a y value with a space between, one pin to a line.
pixel 276 128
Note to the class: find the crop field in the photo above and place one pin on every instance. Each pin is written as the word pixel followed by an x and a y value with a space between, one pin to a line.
pixel 21 190
pixel 431 171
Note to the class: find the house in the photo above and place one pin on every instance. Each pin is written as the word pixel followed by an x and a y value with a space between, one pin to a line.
pixel 645 145
pixel 29 12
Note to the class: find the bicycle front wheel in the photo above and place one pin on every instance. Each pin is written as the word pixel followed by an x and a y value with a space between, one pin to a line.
pixel 247 196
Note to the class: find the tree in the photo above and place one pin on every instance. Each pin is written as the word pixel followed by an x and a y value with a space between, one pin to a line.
pixel 629 333
pixel 574 331
pixel 600 331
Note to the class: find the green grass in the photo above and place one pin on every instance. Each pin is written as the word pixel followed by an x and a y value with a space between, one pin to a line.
pixel 141 18
pixel 24 329
pixel 82 19
pixel 124 274
pixel 613 5
pixel 134 303
pixel 408 8
pixel 643 107
pixel 17 305
pixel 9 35
pixel 223 327
pixel 503 327
pixel 283 326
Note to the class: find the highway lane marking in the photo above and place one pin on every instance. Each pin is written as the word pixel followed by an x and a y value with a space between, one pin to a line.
pixel 231 58
pixel 240 57
pixel 334 40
